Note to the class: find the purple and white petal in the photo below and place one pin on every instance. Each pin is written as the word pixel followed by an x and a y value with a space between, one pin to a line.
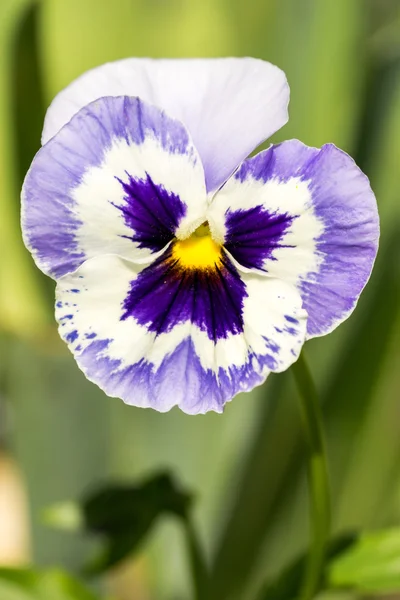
pixel 121 177
pixel 228 105
pixel 304 215
pixel 190 343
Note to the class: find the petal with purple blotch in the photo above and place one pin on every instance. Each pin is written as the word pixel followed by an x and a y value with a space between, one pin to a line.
pixel 121 177
pixel 307 216
pixel 228 105
pixel 158 336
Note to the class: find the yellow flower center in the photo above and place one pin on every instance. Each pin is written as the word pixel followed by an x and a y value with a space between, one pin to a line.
pixel 199 251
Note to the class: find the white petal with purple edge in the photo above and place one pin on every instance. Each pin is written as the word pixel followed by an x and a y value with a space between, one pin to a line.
pixel 121 177
pixel 228 105
pixel 304 215
pixel 155 358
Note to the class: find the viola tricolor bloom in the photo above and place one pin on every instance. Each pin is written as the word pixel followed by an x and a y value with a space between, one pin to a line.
pixel 187 272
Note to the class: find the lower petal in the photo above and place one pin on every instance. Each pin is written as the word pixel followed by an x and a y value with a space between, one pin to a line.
pixel 131 354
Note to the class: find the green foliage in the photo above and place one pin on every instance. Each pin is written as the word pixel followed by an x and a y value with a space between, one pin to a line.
pixel 41 585
pixel 124 515
pixel 370 565
pixel 288 583
pixel 22 308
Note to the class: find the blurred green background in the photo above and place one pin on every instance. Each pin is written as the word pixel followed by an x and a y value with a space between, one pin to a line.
pixel 247 467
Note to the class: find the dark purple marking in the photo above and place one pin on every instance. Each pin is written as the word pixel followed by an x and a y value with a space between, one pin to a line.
pixel 72 336
pixel 275 348
pixel 164 295
pixel 151 211
pixel 252 235
pixel 291 330
pixel 291 319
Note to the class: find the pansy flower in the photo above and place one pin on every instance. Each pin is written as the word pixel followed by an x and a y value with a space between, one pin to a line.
pixel 187 272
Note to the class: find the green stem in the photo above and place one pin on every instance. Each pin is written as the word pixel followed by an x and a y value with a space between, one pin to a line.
pixel 318 479
pixel 200 574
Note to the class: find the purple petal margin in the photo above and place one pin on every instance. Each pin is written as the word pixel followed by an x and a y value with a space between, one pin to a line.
pixel 179 381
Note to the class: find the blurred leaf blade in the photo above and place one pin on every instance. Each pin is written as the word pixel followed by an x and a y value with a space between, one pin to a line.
pixel 12 591
pixel 52 584
pixel 288 583
pixel 183 29
pixel 58 585
pixel 124 515
pixel 22 306
pixel 372 564
pixel 385 157
pixel 325 80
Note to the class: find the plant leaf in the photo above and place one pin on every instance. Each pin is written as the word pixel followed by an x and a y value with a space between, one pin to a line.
pixel 125 514
pixel 372 564
pixel 53 584
pixel 287 584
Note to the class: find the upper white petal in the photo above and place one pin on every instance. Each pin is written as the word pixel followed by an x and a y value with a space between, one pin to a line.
pixel 229 105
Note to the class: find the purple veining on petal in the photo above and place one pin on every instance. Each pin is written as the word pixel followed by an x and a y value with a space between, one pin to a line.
pixel 275 164
pixel 347 207
pixel 164 295
pixel 49 220
pixel 252 235
pixel 271 345
pixel 151 212
pixel 180 377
